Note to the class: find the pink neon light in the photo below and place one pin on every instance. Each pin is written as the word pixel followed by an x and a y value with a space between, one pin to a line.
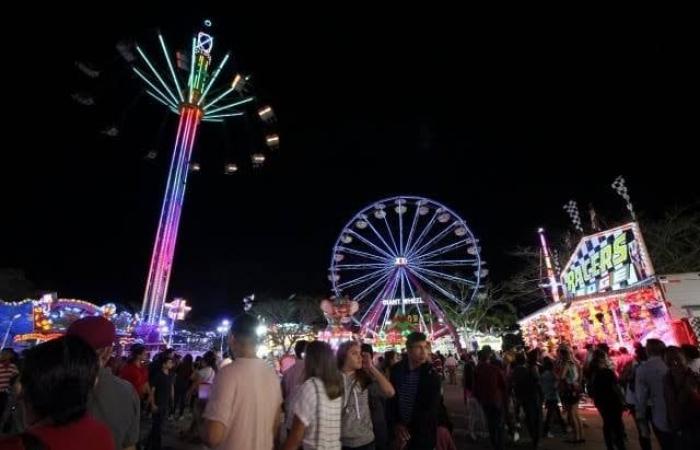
pixel 171 211
pixel 550 269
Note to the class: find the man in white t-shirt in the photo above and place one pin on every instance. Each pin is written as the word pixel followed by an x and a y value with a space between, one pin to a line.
pixel 244 406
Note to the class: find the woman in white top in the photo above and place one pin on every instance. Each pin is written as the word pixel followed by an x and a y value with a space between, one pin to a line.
pixel 202 381
pixel 317 404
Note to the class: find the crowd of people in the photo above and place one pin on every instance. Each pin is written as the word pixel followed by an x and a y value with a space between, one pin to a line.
pixel 73 393
pixel 659 386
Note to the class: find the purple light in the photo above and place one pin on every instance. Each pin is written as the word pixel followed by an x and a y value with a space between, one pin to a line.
pixel 166 236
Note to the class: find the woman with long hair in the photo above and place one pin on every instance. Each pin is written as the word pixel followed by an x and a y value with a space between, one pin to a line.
pixel 359 377
pixel 391 357
pixel 317 404
pixel 202 381
pixel 569 374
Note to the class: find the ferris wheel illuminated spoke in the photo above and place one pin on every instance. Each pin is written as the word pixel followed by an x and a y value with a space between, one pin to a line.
pixel 388 291
pixel 371 244
pixel 391 235
pixel 400 228
pixel 352 251
pixel 444 276
pixel 435 286
pixel 362 266
pixel 361 279
pixel 391 250
pixel 413 227
pixel 430 253
pixel 373 286
pixel 423 233
pixel 445 263
pixel 442 250
pixel 434 240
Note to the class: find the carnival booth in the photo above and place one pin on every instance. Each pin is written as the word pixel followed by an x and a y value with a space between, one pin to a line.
pixel 610 295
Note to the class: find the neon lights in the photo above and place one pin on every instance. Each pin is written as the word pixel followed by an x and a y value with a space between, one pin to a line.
pixel 231 105
pixel 553 285
pixel 213 78
pixel 191 112
pixel 155 72
pixel 170 66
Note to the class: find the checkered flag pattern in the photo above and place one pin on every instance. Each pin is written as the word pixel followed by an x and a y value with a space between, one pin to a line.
pixel 621 189
pixel 694 323
pixel 593 245
pixel 572 209
pixel 248 302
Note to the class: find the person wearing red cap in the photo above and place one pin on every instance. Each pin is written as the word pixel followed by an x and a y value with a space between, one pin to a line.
pixel 113 401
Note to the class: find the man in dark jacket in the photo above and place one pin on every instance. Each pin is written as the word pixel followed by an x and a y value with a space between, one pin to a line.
pixel 412 413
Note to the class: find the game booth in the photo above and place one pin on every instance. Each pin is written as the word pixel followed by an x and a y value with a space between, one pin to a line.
pixel 610 295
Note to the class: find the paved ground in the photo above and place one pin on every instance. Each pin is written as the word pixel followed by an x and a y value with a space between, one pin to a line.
pixel 453 398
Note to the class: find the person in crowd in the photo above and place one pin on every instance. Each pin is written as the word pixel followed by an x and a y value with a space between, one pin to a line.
pixel 682 397
pixel 183 381
pixel 113 401
pixel 624 361
pixel 491 392
pixel 412 414
pixel 292 379
pixel 608 399
pixel 56 379
pixel 202 381
pixel 357 430
pixel 649 391
pixel 163 386
pixel 476 422
pixel 692 357
pixel 317 406
pixel 136 373
pixel 377 403
pixel 451 366
pixel 8 370
pixel 570 378
pixel 627 379
pixel 245 405
pixel 549 384
pixel 438 363
pixel 391 358
pixel 525 384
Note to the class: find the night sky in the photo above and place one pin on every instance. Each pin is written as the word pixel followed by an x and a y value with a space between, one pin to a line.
pixel 501 117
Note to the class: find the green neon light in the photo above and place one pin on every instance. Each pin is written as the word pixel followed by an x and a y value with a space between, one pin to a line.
pixel 170 66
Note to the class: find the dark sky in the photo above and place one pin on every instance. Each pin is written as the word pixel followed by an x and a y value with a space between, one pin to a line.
pixel 501 117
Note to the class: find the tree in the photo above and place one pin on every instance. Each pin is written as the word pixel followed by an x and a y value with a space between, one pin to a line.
pixel 674 240
pixel 490 311
pixel 290 319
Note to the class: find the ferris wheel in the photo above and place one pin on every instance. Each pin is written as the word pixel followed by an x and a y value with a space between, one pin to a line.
pixel 406 255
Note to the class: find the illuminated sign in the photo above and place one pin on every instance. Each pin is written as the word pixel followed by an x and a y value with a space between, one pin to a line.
pixel 608 261
pixel 405 301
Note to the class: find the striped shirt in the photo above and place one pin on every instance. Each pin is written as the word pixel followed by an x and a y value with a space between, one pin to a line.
pixel 7 371
pixel 324 417
pixel 407 391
